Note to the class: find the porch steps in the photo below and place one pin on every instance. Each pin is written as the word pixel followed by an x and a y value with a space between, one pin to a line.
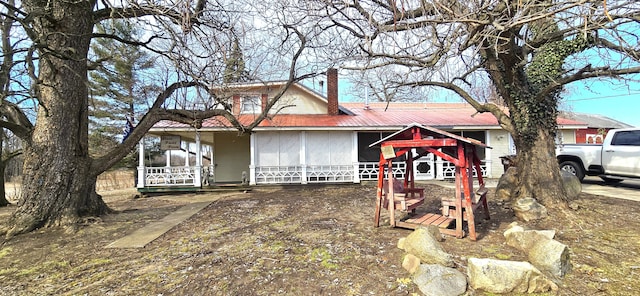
pixel 180 189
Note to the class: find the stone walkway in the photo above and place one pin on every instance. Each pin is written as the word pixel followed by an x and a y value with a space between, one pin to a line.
pixel 143 236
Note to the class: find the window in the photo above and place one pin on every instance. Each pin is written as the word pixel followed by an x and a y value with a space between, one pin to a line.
pixel 251 104
pixel 626 138
pixel 366 154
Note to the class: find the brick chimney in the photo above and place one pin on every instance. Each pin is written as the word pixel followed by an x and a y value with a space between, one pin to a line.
pixel 235 105
pixel 332 91
pixel 264 99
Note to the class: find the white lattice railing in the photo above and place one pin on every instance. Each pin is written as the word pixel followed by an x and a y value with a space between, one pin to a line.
pixel 329 173
pixel 369 170
pixel 185 176
pixel 449 170
pixel 278 174
pixel 170 176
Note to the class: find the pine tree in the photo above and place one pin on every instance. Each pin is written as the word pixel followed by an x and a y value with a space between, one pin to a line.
pixel 234 70
pixel 117 86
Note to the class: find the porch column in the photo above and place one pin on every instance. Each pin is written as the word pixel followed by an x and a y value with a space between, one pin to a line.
pixel 303 157
pixel 168 156
pixel 354 158
pixel 488 161
pixel 439 167
pixel 197 182
pixel 212 165
pixel 141 169
pixel 186 159
pixel 252 159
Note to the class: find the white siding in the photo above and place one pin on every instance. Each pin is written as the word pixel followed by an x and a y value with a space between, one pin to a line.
pixel 296 101
pixel 567 136
pixel 499 141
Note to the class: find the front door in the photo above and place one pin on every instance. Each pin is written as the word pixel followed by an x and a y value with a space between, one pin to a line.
pixel 232 157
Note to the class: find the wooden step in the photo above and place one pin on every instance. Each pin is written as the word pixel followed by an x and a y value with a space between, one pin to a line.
pixel 425 219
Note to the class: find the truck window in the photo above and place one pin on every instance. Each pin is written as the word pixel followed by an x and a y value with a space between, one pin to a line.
pixel 626 138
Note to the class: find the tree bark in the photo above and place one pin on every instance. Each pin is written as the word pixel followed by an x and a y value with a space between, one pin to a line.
pixel 532 122
pixel 538 173
pixel 57 187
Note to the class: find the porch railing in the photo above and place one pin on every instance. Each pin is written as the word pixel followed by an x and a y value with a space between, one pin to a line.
pixel 329 173
pixel 296 174
pixel 369 170
pixel 170 176
pixel 443 170
pixel 278 174
pixel 449 170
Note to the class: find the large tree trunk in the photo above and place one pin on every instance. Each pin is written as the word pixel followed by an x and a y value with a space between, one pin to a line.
pixel 538 171
pixel 58 188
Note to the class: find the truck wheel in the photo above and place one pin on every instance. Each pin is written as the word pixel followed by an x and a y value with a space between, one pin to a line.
pixel 573 168
pixel 610 180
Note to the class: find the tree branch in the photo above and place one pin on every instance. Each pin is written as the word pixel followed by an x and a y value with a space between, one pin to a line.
pixel 17 122
pixel 503 119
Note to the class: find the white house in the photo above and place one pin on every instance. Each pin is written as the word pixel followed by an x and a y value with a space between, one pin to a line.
pixel 317 140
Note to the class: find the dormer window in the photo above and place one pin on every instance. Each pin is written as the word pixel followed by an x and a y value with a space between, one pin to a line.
pixel 251 104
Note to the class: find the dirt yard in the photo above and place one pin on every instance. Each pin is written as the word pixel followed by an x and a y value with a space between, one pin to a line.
pixel 314 240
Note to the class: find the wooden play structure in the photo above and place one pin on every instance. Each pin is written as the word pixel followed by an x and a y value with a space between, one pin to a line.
pixel 394 194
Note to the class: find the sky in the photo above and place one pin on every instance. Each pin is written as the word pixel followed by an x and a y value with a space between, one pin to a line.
pixel 619 102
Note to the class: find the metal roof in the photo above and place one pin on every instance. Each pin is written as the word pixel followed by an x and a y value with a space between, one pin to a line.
pixel 427 131
pixel 596 120
pixel 371 116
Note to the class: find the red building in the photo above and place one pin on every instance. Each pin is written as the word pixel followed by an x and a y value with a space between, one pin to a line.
pixel 598 126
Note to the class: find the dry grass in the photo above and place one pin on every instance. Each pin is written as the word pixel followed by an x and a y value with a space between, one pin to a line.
pixel 299 240
pixel 109 182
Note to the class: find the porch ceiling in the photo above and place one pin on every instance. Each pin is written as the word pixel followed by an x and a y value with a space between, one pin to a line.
pixel 185 136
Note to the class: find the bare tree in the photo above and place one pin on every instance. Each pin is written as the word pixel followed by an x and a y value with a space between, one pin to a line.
pixel 189 38
pixel 12 91
pixel 386 85
pixel 526 50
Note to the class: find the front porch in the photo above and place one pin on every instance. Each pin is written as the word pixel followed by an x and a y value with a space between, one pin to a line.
pixel 197 177
pixel 225 159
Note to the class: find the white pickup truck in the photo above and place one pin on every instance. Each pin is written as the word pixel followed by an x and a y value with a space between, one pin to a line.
pixel 617 158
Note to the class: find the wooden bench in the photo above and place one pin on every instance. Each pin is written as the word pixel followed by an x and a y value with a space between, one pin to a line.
pixel 479 198
pixel 468 208
pixel 405 199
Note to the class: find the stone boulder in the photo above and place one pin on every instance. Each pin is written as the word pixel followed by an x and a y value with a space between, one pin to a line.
pixel 551 257
pixel 528 209
pixel 545 253
pixel 516 236
pixel 422 244
pixel 506 185
pixel 571 185
pixel 411 263
pixel 500 276
pixel 437 280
